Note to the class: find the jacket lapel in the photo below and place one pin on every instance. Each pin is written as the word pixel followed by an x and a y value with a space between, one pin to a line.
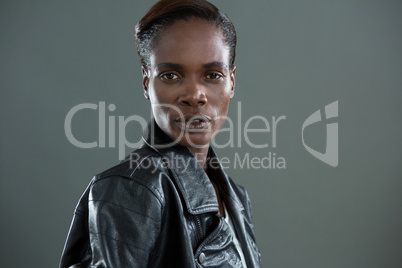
pixel 191 179
pixel 233 205
pixel 194 184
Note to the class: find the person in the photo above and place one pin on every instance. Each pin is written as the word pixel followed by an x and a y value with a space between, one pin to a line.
pixel 170 203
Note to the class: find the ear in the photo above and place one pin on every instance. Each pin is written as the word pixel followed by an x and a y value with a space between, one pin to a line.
pixel 232 81
pixel 145 81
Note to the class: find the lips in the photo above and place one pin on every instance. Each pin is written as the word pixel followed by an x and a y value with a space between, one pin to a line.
pixel 194 117
pixel 193 122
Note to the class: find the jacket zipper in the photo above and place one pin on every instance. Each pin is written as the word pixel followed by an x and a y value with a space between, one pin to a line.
pixel 199 226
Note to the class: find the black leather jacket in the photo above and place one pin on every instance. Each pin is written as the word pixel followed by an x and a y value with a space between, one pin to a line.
pixel 159 209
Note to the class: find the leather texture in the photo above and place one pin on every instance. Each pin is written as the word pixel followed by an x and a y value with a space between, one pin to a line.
pixel 158 208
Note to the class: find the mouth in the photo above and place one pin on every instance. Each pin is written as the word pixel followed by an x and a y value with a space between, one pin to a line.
pixel 193 122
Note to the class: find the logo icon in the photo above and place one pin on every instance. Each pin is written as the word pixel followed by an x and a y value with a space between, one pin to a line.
pixel 330 156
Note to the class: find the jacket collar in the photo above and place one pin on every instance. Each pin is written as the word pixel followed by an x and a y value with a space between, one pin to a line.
pixel 191 179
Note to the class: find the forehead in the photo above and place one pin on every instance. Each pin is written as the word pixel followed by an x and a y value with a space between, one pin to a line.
pixel 189 42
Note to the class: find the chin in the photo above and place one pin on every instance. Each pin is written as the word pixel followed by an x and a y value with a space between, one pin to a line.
pixel 196 141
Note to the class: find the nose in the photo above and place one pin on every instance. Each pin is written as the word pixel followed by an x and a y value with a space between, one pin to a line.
pixel 193 95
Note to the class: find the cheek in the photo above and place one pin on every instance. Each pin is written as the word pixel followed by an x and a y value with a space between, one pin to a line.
pixel 165 113
pixel 161 102
pixel 156 88
pixel 222 107
pixel 154 93
pixel 223 101
pixel 160 110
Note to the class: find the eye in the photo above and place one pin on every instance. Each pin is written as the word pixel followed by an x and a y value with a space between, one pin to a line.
pixel 169 76
pixel 214 76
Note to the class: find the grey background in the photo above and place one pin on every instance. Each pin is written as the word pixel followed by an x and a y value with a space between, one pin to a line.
pixel 293 58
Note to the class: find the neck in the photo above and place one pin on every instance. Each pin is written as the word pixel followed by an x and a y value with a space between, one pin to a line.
pixel 200 154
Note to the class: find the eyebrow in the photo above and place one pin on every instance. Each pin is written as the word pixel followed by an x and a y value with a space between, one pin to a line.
pixel 215 64
pixel 179 66
pixel 169 65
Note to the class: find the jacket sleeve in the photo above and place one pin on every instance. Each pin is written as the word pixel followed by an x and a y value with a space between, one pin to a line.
pixel 124 222
pixel 76 248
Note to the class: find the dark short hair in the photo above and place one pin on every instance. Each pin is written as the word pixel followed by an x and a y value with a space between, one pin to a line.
pixel 166 12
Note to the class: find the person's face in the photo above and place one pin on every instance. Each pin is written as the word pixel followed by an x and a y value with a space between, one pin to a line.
pixel 189 82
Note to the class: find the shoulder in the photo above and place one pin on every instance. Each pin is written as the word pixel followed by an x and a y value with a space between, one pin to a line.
pixel 139 177
pixel 243 197
pixel 240 192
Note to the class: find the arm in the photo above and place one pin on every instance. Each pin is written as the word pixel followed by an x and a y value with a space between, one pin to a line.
pixel 124 222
